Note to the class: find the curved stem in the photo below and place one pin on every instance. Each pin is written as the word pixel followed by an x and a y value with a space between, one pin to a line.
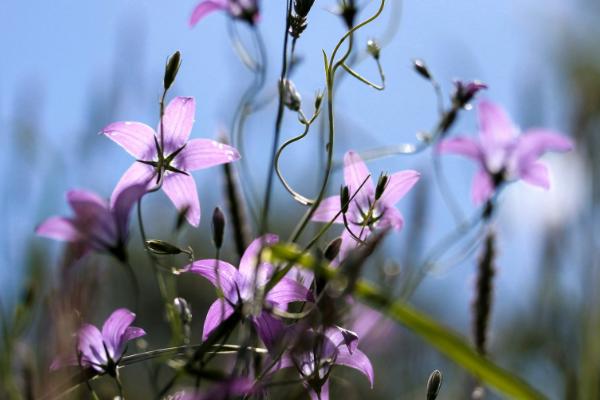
pixel 365 80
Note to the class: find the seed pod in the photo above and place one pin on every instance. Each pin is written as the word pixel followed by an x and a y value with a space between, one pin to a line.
pixel 162 248
pixel 434 383
pixel 171 69
pixel 218 227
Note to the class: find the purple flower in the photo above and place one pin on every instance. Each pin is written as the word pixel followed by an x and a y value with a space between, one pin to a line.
pixel 96 224
pixel 359 219
pixel 315 354
pixel 224 390
pixel 175 160
pixel 245 10
pixel 102 351
pixel 238 288
pixel 464 92
pixel 502 154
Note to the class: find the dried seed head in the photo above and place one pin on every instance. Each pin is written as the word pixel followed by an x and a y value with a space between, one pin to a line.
pixel 171 69
pixel 434 383
pixel 218 227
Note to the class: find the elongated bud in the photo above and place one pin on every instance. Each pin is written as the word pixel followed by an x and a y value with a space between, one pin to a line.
pixel 434 383
pixel 348 10
pixel 381 185
pixel 333 249
pixel 318 100
pixel 162 248
pixel 171 69
pixel 291 97
pixel 344 199
pixel 183 309
pixel 421 68
pixel 374 49
pixel 218 227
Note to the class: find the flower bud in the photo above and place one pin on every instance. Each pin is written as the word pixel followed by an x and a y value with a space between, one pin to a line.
pixel 421 68
pixel 381 185
pixel 373 48
pixel 291 97
pixel 318 100
pixel 348 10
pixel 464 92
pixel 171 69
pixel 434 383
pixel 218 227
pixel 183 310
pixel 162 248
pixel 333 249
pixel 344 199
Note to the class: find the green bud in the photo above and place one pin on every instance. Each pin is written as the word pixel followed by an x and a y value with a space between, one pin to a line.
pixel 218 227
pixel 344 199
pixel 162 248
pixel 421 68
pixel 318 100
pixel 373 48
pixel 434 383
pixel 171 69
pixel 381 185
pixel 291 96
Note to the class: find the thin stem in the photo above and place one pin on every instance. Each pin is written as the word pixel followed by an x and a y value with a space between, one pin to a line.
pixel 365 80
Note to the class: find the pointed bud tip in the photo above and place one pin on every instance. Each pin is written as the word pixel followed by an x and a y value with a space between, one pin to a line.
pixel 218 227
pixel 434 383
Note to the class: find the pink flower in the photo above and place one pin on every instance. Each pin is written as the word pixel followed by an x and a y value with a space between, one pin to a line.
pixel 384 213
pixel 96 224
pixel 504 155
pixel 175 160
pixel 246 10
pixel 238 288
pixel 102 350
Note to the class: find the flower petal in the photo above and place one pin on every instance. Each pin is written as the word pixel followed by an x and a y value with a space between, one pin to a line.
pixel 536 174
pixel 205 8
pixel 136 138
pixel 133 332
pixel 218 273
pixel 137 174
pixel 357 360
pixel 495 125
pixel 391 218
pixel 248 260
pixel 181 189
pixel 93 218
pixel 288 291
pixel 113 331
pixel 328 209
pixel 483 187
pixel 269 329
pixel 91 346
pixel 123 205
pixel 177 122
pixel 355 172
pixel 340 336
pixel 58 228
pixel 218 312
pixel 535 142
pixel 465 146
pixel 205 153
pixel 398 185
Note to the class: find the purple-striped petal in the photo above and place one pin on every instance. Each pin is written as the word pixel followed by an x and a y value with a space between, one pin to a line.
pixel 114 329
pixel 355 173
pixel 328 209
pixel 133 332
pixel 269 329
pixel 91 346
pixel 123 205
pixel 343 337
pixel 136 138
pixel 93 218
pixel 218 312
pixel 357 360
pixel 181 190
pixel 205 153
pixel 398 185
pixel 177 122
pixel 58 228
pixel 483 187
pixel 248 260
pixel 206 7
pixel 220 274
pixel 464 146
pixel 536 174
pixel 288 291
pixel 137 174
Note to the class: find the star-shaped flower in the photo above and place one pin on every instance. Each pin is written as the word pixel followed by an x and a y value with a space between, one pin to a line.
pixel 239 288
pixel 170 158
pixel 96 224
pixel 503 154
pixel 103 350
pixel 246 10
pixel 365 212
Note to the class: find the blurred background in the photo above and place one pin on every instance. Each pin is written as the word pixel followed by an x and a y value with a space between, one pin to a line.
pixel 70 68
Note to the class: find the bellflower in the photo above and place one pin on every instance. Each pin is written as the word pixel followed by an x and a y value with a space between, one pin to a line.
pixel 172 161
pixel 96 224
pixel 504 155
pixel 245 10
pixel 383 213
pixel 238 287
pixel 103 350
pixel 315 354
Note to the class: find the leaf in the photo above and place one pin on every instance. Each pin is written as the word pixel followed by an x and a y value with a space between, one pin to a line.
pixel 448 342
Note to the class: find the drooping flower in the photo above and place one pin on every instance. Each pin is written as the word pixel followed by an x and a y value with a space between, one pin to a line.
pixel 245 10
pixel 241 287
pixel 504 155
pixel 96 225
pixel 171 161
pixel 366 213
pixel 314 355
pixel 103 350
